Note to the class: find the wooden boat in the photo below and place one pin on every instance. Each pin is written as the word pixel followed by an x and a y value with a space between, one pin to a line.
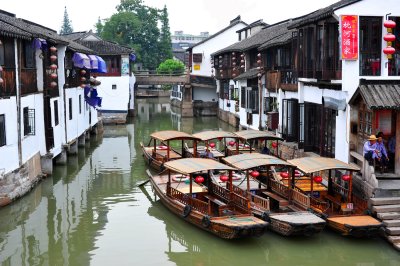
pixel 274 203
pixel 159 150
pixel 207 137
pixel 332 196
pixel 210 207
pixel 250 137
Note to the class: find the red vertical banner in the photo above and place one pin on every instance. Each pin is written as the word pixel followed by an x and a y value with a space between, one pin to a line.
pixel 349 30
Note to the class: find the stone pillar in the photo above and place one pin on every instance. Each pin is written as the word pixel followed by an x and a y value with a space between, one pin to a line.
pixel 46 162
pixel 87 135
pixel 187 104
pixel 73 148
pixel 62 157
pixel 82 140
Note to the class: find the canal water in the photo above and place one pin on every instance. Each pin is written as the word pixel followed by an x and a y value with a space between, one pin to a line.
pixel 91 212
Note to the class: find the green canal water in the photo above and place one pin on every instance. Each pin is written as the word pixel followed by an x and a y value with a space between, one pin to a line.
pixel 91 212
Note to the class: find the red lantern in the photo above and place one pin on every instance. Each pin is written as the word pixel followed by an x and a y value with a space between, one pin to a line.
pixel 231 143
pixel 53 84
pixel 284 175
pixel 274 144
pixel 53 58
pixel 53 75
pixel 318 179
pixel 53 67
pixel 389 37
pixel 390 24
pixel 346 178
pixel 83 79
pixel 83 72
pixel 1 81
pixel 254 173
pixel 212 145
pixel 199 179
pixel 220 138
pixel 224 178
pixel 389 50
pixel 53 49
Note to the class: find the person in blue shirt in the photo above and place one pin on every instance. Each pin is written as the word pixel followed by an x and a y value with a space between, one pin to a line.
pixel 392 150
pixel 370 150
pixel 380 146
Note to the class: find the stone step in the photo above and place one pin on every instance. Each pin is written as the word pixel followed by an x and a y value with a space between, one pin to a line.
pixel 394 239
pixel 384 201
pixel 397 246
pixel 392 223
pixel 388 215
pixel 386 208
pixel 393 231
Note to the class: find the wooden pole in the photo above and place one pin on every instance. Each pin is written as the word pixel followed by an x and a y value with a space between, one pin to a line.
pixel 350 197
pixel 312 184
pixel 248 181
pixel 168 150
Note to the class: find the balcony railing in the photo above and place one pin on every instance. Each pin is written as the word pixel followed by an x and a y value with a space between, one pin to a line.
pixel 28 81
pixel 8 88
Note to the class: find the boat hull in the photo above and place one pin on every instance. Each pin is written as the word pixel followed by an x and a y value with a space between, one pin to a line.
pixel 356 226
pixel 150 161
pixel 229 227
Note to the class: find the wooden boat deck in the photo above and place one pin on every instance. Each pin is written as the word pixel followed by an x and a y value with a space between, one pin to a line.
pixel 302 217
pixel 201 150
pixel 161 181
pixel 355 220
pixel 305 185
pixel 163 153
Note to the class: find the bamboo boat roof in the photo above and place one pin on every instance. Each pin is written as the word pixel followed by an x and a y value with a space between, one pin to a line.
pixel 256 134
pixel 193 165
pixel 214 134
pixel 310 165
pixel 172 135
pixel 250 160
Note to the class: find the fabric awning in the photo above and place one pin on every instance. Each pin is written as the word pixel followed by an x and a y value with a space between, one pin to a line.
pixel 333 103
pixel 94 62
pixel 81 60
pixel 101 65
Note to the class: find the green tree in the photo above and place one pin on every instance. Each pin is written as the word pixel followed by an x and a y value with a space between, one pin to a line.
pixel 148 38
pixel 66 27
pixel 171 66
pixel 99 27
pixel 165 46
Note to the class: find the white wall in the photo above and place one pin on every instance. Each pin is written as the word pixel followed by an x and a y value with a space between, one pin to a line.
pixel 32 144
pixel 204 94
pixel 114 99
pixel 80 121
pixel 212 45
pixel 9 153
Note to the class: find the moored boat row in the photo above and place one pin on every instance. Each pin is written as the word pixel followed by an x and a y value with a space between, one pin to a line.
pixel 241 195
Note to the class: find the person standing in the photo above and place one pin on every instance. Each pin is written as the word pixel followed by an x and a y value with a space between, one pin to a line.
pixel 380 146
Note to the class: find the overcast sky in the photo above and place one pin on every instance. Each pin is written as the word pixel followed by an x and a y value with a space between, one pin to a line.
pixel 191 16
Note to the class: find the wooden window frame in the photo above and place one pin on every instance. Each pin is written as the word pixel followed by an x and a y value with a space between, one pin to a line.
pixel 56 118
pixel 370 54
pixel 29 121
pixel 3 133
pixel 70 108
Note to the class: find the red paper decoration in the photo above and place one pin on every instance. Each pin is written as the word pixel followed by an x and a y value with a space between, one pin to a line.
pixel 346 177
pixel 224 178
pixel 318 179
pixel 199 179
pixel 254 173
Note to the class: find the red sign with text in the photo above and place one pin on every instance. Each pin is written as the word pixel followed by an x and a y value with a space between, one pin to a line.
pixel 349 37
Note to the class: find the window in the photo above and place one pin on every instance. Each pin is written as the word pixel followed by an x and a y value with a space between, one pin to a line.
pixel 252 100
pixel 56 113
pixel 29 55
pixel 197 58
pixel 80 104
pixel 70 108
pixel 269 104
pixel 370 46
pixel 243 97
pixel 289 123
pixel 364 122
pixel 114 87
pixel 29 121
pixel 2 130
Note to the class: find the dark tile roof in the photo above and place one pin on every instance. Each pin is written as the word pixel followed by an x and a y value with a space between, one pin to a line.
pixel 257 39
pixel 232 24
pixel 76 35
pixel 11 31
pixel 379 95
pixel 322 13
pixel 39 31
pixel 282 39
pixel 254 24
pixel 106 47
pixel 252 73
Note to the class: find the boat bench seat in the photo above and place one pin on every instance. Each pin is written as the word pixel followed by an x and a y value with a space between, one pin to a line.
pixel 215 200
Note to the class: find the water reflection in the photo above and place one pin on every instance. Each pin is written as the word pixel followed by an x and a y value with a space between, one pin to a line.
pixel 92 212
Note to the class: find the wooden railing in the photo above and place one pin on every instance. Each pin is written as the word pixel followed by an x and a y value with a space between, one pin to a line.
pixel 28 81
pixel 220 191
pixel 239 201
pixel 239 191
pixel 323 206
pixel 260 201
pixel 8 88
pixel 340 190
pixel 300 199
pixel 196 204
pixel 279 188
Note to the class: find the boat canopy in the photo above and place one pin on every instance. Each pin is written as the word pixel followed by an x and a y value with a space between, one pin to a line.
pixel 172 135
pixel 256 134
pixel 193 165
pixel 214 134
pixel 250 160
pixel 310 165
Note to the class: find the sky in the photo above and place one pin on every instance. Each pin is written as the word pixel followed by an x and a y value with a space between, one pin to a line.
pixel 189 16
